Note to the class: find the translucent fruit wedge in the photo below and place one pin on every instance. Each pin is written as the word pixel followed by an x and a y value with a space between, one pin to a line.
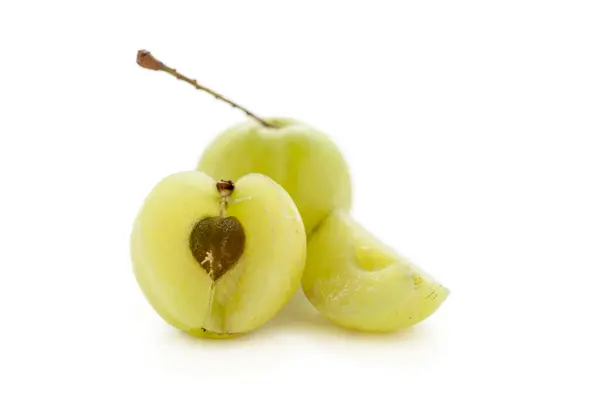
pixel 360 283
pixel 215 262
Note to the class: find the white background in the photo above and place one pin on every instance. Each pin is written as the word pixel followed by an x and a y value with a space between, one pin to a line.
pixel 472 130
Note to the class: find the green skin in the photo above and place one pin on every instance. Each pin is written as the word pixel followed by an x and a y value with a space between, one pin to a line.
pixel 303 160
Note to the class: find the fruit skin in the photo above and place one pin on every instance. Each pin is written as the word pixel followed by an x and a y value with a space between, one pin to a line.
pixel 178 288
pixel 303 160
pixel 359 283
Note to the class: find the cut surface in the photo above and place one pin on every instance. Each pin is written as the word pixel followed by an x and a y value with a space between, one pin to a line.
pixel 360 283
pixel 257 251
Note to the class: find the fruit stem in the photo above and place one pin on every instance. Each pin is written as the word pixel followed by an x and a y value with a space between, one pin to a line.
pixel 148 61
pixel 225 189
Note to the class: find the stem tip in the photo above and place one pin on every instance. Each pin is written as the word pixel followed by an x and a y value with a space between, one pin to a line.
pixel 146 60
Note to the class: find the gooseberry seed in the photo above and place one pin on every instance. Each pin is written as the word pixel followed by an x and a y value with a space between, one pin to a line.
pixel 217 243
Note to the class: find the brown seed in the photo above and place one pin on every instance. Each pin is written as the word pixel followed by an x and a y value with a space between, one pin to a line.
pixel 217 243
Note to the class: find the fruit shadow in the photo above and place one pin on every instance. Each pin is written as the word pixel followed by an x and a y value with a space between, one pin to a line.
pixel 299 316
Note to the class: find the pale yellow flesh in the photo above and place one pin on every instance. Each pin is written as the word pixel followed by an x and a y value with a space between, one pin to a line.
pixel 244 298
pixel 360 283
pixel 303 160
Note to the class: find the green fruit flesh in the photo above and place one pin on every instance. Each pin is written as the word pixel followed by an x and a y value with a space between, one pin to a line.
pixel 256 265
pixel 360 283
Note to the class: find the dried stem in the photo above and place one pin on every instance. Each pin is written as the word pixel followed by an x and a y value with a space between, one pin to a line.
pixel 147 60
pixel 225 189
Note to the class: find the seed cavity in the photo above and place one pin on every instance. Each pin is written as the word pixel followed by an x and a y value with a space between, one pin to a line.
pixel 217 243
